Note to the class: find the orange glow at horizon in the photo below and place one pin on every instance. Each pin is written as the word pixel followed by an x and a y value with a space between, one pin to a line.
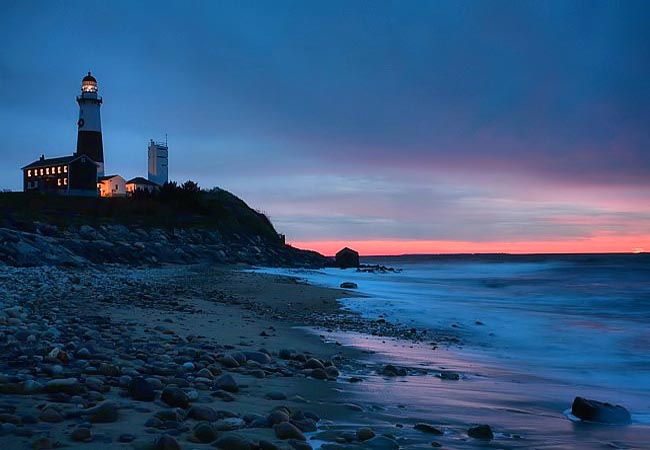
pixel 593 244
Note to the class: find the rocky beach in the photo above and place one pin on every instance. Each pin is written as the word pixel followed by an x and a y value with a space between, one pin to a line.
pixel 179 357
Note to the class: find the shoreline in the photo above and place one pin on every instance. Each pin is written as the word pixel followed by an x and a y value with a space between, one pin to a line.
pixel 168 324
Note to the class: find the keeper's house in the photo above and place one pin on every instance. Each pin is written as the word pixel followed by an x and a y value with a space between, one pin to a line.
pixel 68 175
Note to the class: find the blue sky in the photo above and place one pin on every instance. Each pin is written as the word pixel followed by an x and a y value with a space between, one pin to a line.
pixel 471 121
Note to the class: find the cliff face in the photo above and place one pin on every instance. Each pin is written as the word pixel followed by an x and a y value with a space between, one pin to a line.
pixel 217 228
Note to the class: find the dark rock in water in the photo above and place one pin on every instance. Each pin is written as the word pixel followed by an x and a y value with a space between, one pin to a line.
pixel 364 434
pixel 595 411
pixel 426 428
pixel 349 285
pixel 299 445
pixel 314 363
pixel 167 442
pixel 276 417
pixel 381 443
pixel 141 389
pixel 444 375
pixel 176 397
pixel 286 430
pixel 232 441
pixel 390 370
pixel 266 445
pixel 346 257
pixel 481 432
pixel 319 374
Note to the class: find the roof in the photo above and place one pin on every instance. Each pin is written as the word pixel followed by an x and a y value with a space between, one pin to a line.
pixel 46 162
pixel 346 250
pixel 89 77
pixel 141 180
pixel 107 177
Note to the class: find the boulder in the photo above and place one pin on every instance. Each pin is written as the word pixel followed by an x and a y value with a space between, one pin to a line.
pixel 227 383
pixel 285 430
pixel 481 432
pixel 175 397
pixel 140 389
pixel 595 411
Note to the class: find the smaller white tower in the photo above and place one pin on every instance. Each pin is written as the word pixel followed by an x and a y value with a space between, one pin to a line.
pixel 158 159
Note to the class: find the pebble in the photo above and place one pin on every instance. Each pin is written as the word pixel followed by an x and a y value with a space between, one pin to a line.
pixel 227 383
pixel 176 397
pixel 286 430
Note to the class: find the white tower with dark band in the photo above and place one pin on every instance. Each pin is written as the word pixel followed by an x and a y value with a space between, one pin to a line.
pixel 89 137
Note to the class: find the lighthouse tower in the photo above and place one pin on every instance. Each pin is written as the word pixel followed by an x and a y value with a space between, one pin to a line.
pixel 89 137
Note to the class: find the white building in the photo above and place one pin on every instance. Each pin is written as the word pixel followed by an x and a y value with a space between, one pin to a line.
pixel 111 186
pixel 158 160
pixel 142 185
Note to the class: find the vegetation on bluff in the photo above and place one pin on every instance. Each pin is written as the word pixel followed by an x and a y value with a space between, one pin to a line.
pixel 173 207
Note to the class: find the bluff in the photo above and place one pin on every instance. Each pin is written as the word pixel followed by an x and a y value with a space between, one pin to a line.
pixel 177 227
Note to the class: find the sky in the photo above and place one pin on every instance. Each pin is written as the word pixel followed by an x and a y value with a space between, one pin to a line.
pixel 389 126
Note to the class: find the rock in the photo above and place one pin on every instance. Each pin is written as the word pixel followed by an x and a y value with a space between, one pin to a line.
pixel 286 430
pixel 453 376
pixel 299 445
pixel 276 395
pixel 277 416
pixel 105 412
pixel 266 445
pixel 380 443
pixel 426 428
pixel 228 361
pixel 364 434
pixel 204 432
pixel 286 353
pixel 51 415
pixel 319 374
pixel 200 412
pixel 42 444
pixel 32 387
pixel 140 389
pixel 233 441
pixel 314 363
pixel 167 442
pixel 390 370
pixel 66 385
pixel 258 357
pixel 126 438
pixel 205 373
pixel 81 434
pixel 348 285
pixel 595 411
pixel 481 432
pixel 227 383
pixel 175 397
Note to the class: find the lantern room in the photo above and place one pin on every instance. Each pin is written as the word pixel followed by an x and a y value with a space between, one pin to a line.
pixel 89 84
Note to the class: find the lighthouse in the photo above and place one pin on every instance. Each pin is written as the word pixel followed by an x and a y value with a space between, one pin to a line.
pixel 89 136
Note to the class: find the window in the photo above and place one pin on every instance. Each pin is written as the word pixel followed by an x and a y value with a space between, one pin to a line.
pixel 65 181
pixel 58 182
pixel 116 187
pixel 41 172
pixel 58 169
pixel 65 169
pixel 47 171
pixel 29 173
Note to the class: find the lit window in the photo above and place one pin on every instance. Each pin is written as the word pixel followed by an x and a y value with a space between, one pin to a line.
pixel 29 173
pixel 41 172
pixel 47 171
pixel 58 182
pixel 65 181
pixel 58 169
pixel 65 169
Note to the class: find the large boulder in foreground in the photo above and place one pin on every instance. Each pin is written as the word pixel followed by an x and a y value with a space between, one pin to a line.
pixel 595 411
pixel 346 257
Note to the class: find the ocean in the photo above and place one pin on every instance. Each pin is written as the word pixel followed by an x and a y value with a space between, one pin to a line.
pixel 534 331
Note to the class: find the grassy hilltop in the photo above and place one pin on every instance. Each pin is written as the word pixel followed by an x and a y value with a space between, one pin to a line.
pixel 174 207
